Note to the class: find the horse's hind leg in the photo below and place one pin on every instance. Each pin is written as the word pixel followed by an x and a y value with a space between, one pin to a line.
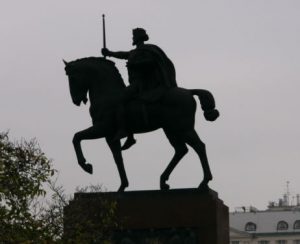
pixel 90 133
pixel 180 150
pixel 193 140
pixel 115 147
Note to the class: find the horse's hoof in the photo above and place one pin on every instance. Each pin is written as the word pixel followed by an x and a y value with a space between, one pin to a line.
pixel 122 188
pixel 87 168
pixel 164 186
pixel 203 186
pixel 206 180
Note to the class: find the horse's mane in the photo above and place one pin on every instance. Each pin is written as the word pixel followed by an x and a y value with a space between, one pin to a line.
pixel 97 63
pixel 92 60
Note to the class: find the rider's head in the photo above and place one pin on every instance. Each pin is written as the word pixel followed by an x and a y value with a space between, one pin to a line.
pixel 139 36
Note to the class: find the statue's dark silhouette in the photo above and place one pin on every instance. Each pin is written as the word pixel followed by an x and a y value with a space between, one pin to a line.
pixel 150 73
pixel 151 101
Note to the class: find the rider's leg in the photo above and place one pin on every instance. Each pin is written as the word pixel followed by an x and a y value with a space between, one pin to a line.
pixel 121 122
pixel 122 132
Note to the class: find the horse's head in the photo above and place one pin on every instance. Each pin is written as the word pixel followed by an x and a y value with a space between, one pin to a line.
pixel 92 74
pixel 78 81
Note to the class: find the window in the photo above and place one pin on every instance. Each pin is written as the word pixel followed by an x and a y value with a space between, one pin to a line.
pixel 296 242
pixel 297 224
pixel 282 225
pixel 263 242
pixel 281 242
pixel 250 226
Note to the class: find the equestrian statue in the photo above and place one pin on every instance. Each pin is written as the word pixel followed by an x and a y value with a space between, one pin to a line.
pixel 151 101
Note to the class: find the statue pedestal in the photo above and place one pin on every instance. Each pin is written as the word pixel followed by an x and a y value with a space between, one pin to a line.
pixel 174 216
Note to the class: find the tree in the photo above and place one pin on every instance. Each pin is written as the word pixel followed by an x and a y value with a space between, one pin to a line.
pixel 31 202
pixel 23 171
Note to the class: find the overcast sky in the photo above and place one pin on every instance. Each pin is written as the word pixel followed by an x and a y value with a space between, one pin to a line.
pixel 246 52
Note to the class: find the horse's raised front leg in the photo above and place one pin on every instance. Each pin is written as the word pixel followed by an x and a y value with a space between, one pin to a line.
pixel 192 139
pixel 180 150
pixel 115 147
pixel 93 132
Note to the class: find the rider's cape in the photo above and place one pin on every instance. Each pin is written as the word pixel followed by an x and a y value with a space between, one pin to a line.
pixel 154 72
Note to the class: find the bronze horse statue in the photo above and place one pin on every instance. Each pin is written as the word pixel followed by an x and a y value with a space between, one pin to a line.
pixel 100 80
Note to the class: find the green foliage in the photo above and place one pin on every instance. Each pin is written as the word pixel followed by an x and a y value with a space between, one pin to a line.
pixel 23 171
pixel 28 212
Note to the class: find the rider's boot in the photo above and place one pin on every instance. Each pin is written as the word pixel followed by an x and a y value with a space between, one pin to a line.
pixel 129 142
pixel 122 131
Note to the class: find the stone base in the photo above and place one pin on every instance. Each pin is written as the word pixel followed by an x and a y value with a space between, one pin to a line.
pixel 174 216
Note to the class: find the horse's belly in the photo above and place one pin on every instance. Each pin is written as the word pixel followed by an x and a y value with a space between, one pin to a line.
pixel 141 117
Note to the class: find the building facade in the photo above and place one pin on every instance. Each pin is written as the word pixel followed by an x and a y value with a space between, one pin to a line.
pixel 278 224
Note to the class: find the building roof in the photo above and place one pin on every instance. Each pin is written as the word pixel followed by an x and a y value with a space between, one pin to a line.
pixel 268 221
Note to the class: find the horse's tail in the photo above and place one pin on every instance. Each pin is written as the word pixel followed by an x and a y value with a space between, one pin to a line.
pixel 207 102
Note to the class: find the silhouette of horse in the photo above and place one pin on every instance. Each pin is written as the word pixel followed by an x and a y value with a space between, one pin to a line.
pixel 174 113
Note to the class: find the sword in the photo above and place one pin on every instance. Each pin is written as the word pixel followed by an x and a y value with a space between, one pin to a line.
pixel 104 34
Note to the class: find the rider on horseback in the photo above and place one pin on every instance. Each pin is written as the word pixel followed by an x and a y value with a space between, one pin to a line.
pixel 151 73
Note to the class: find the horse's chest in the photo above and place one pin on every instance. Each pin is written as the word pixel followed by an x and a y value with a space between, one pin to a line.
pixel 103 110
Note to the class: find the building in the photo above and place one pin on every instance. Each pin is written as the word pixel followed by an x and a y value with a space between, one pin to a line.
pixel 278 224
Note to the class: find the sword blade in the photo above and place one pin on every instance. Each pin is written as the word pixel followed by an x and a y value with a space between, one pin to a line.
pixel 103 29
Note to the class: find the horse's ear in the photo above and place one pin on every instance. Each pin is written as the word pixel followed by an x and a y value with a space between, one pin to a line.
pixel 65 62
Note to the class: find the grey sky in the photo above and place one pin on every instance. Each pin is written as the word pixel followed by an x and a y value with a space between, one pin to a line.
pixel 246 52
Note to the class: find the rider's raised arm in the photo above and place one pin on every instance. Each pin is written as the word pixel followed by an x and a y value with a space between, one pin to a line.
pixel 120 54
